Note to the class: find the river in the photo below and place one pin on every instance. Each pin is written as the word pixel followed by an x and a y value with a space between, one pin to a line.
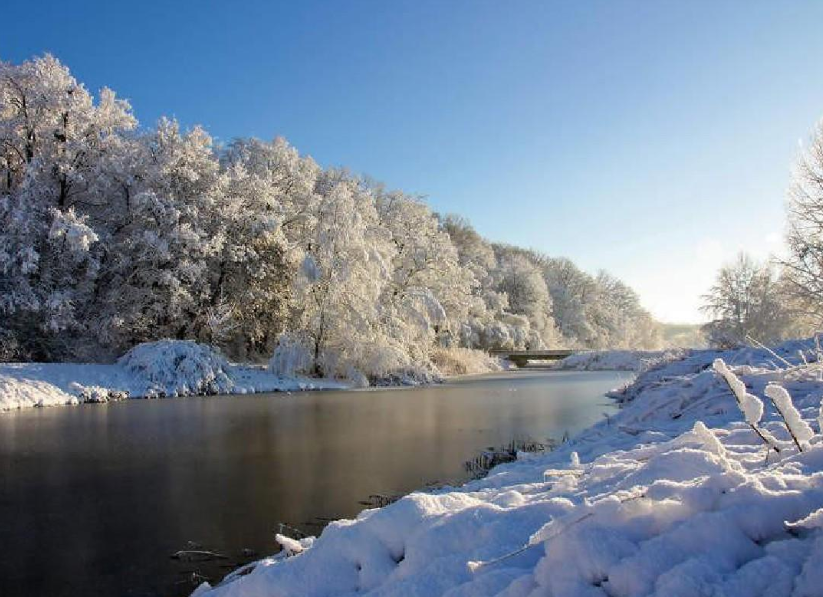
pixel 94 499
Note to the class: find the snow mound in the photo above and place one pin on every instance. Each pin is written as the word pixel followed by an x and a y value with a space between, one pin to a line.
pixel 675 495
pixel 178 368
pixel 22 393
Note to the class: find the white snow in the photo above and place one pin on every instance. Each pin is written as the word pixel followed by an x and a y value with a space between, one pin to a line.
pixel 158 369
pixel 619 360
pixel 799 428
pixel 676 495
pixel 178 367
pixel 751 406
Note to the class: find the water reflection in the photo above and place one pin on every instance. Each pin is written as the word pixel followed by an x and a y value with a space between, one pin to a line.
pixel 93 499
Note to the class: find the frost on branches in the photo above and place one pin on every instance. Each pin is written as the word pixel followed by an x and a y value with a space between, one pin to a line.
pixel 113 235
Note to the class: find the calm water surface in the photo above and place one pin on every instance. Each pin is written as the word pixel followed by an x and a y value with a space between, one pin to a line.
pixel 94 499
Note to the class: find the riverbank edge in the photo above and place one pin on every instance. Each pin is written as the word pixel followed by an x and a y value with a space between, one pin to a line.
pixel 36 385
pixel 647 463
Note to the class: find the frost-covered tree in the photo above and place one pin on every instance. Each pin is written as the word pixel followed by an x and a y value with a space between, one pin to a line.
pixel 803 268
pixel 110 237
pixel 618 317
pixel 597 311
pixel 520 279
pixel 485 306
pixel 573 293
pixel 158 279
pixel 428 286
pixel 473 251
pixel 345 264
pixel 746 301
pixel 251 272
pixel 58 146
pixel 290 180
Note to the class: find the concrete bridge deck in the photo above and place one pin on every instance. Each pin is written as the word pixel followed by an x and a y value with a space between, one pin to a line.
pixel 522 357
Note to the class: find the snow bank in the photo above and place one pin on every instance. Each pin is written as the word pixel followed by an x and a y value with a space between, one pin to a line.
pixel 675 495
pixel 50 384
pixel 157 369
pixel 619 360
pixel 21 393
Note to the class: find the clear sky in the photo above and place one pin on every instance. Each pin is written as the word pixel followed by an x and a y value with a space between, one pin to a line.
pixel 653 139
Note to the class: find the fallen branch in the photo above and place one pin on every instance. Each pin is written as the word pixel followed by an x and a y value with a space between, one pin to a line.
pixel 191 554
pixel 769 350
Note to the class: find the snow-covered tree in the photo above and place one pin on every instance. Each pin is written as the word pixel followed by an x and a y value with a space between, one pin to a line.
pixel 428 285
pixel 573 293
pixel 803 269
pixel 110 237
pixel 159 284
pixel 345 264
pixel 746 301
pixel 55 141
pixel 520 279
pixel 290 180
pixel 251 273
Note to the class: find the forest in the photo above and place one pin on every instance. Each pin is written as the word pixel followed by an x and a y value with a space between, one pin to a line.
pixel 114 234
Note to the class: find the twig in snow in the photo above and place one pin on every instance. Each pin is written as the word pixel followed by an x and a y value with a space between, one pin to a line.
pixel 474 566
pixel 767 349
pixel 798 428
pixel 750 405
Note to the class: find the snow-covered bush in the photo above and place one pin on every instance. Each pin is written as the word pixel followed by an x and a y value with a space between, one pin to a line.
pixel 97 394
pixel 178 368
pixel 463 361
pixel 292 356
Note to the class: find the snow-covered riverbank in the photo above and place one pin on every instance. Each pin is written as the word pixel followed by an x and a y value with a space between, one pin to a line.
pixel 619 360
pixel 171 368
pixel 160 369
pixel 676 495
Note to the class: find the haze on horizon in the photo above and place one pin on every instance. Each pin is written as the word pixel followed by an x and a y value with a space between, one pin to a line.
pixel 654 141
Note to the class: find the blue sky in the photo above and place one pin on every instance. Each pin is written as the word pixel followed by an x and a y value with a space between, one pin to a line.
pixel 651 139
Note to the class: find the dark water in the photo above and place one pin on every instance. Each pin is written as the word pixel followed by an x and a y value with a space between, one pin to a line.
pixel 94 499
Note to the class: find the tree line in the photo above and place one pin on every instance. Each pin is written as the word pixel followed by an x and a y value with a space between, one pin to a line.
pixel 112 235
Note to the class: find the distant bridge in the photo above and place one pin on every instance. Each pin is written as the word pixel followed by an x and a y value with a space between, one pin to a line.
pixel 522 357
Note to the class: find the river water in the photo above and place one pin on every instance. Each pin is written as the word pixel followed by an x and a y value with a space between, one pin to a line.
pixel 94 499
